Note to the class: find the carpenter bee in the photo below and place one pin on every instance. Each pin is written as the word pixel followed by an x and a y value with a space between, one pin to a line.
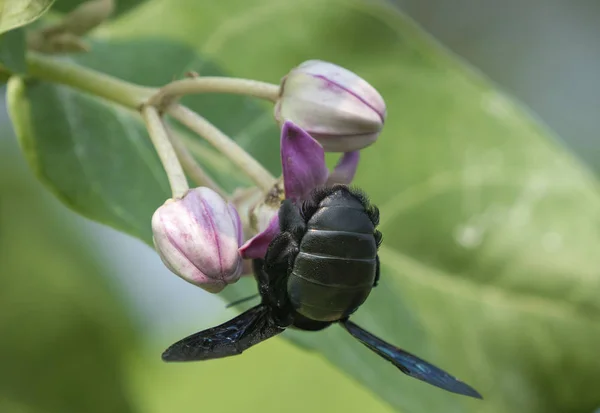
pixel 316 272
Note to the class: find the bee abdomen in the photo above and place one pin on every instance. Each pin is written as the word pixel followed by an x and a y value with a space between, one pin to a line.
pixel 334 271
pixel 336 266
pixel 324 302
pixel 328 288
pixel 342 244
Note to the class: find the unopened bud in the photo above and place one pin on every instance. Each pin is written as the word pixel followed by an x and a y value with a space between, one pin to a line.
pixel 263 212
pixel 335 106
pixel 197 238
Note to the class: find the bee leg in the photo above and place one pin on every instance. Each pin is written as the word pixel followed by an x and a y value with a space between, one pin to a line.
pixel 291 220
pixel 272 275
pixel 261 277
pixel 280 255
pixel 273 294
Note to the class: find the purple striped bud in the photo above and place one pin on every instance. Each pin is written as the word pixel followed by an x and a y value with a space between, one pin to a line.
pixel 197 238
pixel 335 106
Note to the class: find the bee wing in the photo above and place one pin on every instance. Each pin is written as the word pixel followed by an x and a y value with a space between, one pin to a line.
pixel 228 339
pixel 410 364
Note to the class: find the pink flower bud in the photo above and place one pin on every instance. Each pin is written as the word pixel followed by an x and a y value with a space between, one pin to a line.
pixel 197 238
pixel 335 106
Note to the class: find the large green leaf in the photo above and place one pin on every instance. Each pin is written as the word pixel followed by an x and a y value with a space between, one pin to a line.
pixel 17 13
pixel 491 253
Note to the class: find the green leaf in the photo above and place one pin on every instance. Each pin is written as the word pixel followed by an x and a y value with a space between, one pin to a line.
pixel 491 250
pixel 95 157
pixel 65 331
pixel 12 51
pixel 17 13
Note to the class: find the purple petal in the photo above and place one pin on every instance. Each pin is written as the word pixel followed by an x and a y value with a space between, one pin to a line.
pixel 344 171
pixel 256 247
pixel 303 162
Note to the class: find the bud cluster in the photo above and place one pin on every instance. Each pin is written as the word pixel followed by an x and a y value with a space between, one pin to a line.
pixel 321 108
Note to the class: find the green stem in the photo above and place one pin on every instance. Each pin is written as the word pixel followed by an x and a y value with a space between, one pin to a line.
pixel 190 166
pixel 96 83
pixel 247 87
pixel 255 171
pixel 166 153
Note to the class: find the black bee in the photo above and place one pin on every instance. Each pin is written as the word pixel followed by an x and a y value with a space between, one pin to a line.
pixel 317 271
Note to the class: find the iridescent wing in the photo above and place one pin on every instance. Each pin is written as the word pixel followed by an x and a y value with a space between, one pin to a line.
pixel 410 364
pixel 228 339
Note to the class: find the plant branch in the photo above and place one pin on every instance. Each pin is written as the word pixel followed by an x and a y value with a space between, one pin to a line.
pixel 190 166
pixel 135 97
pixel 96 83
pixel 166 153
pixel 174 90
pixel 255 171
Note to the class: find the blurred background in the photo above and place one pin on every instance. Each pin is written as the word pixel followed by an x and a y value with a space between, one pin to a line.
pixel 71 288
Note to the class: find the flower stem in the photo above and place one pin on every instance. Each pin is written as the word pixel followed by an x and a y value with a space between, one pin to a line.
pixel 166 153
pixel 178 88
pixel 96 83
pixel 190 166
pixel 255 171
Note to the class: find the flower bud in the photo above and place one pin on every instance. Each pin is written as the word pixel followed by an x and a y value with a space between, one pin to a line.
pixel 264 222
pixel 197 238
pixel 262 212
pixel 335 106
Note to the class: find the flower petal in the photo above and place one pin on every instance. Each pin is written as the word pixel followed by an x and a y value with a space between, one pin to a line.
pixel 256 247
pixel 344 171
pixel 303 162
